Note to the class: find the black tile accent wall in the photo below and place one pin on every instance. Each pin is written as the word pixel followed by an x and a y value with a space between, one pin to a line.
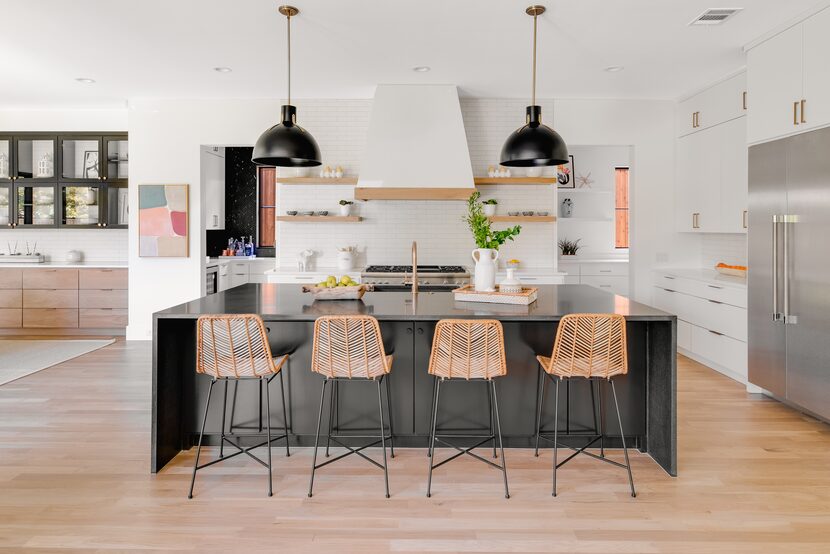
pixel 240 202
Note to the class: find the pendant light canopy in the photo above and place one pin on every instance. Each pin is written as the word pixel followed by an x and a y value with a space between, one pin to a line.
pixel 286 144
pixel 534 144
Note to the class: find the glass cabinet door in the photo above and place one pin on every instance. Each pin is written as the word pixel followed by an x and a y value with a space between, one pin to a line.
pixel 35 205
pixel 5 205
pixel 81 205
pixel 35 158
pixel 5 159
pixel 80 159
pixel 116 150
pixel 117 207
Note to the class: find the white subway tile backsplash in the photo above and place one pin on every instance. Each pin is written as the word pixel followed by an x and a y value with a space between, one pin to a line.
pixel 95 244
pixel 726 248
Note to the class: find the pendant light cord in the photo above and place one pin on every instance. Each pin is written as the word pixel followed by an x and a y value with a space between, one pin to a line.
pixel 533 102
pixel 289 57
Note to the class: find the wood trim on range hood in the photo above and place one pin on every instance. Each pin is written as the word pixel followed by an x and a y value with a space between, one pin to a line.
pixel 411 193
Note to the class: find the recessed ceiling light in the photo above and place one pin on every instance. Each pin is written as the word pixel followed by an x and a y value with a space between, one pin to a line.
pixel 85 80
pixel 614 68
pixel 222 69
pixel 421 68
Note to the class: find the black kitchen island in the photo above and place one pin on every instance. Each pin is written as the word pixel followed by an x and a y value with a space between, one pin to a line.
pixel 647 394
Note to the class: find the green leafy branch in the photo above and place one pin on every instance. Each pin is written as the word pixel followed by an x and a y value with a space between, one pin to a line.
pixel 479 224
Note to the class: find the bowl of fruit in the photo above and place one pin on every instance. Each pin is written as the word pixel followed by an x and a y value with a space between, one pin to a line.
pixel 333 288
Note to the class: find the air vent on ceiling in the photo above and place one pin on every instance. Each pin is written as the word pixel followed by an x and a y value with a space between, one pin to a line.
pixel 714 16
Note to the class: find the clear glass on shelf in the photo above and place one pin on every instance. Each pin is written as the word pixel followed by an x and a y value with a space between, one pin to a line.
pixel 5 159
pixel 80 159
pixel 117 206
pixel 35 205
pixel 35 159
pixel 5 200
pixel 117 160
pixel 81 205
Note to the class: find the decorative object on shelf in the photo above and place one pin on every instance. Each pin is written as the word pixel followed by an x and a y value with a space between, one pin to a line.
pixel 338 290
pixel 534 172
pixel 163 221
pixel 91 196
pixel 542 214
pixel 325 172
pixel 584 181
pixel 514 214
pixel 74 256
pixel 338 172
pixel 511 283
pixel 513 264
pixel 323 213
pixel 286 144
pixel 726 269
pixel 528 213
pixel 307 213
pixel 490 207
pixel 525 297
pixel 498 172
pixel 487 241
pixel 569 247
pixel 567 207
pixel 46 166
pixel 534 144
pixel 564 174
pixel 4 166
pixel 345 258
pixel 345 207
pixel 91 164
pixel 303 259
pixel 291 212
pixel 491 171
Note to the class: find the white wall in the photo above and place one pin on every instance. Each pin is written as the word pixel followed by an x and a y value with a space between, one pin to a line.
pixel 108 245
pixel 648 127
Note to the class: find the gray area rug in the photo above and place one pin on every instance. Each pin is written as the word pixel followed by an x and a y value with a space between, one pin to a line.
pixel 19 358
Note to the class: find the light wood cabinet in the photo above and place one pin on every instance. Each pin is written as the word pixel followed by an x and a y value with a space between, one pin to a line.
pixel 54 298
pixel 102 318
pixel 11 318
pixel 102 299
pixel 42 278
pixel 103 279
pixel 50 318
pixel 11 278
pixel 10 298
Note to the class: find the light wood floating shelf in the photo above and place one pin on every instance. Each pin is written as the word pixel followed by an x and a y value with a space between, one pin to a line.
pixel 320 218
pixel 587 219
pixel 317 180
pixel 523 218
pixel 515 180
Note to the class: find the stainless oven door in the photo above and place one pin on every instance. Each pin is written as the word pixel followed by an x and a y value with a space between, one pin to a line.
pixel 212 280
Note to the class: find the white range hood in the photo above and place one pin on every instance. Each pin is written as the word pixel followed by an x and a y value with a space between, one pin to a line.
pixel 416 148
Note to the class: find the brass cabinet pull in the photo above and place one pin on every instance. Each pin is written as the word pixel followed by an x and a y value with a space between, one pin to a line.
pixel 715 332
pixel 803 103
pixel 696 220
pixel 744 218
pixel 795 113
pixel 744 99
pixel 694 115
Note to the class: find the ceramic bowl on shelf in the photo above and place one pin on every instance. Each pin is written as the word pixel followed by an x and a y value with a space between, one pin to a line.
pixel 528 213
pixel 324 212
pixel 307 213
pixel 514 214
pixel 291 212
pixel 543 214
pixel 534 171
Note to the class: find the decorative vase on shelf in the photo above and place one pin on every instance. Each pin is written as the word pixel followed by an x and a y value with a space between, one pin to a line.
pixel 510 284
pixel 485 269
pixel 567 207
pixel 489 210
pixel 345 209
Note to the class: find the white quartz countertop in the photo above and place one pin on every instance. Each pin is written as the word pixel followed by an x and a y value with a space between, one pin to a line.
pixel 532 271
pixel 705 275
pixel 316 270
pixel 236 259
pixel 66 265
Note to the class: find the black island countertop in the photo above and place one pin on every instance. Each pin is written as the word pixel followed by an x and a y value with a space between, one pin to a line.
pixel 647 393
pixel 288 302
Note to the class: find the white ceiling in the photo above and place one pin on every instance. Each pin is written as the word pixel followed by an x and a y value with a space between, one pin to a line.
pixel 167 48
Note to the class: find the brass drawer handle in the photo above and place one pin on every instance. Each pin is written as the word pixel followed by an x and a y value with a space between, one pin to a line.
pixel 715 332
pixel 795 113
pixel 803 103
pixel 744 100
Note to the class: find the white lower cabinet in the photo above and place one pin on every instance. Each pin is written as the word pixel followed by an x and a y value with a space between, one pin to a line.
pixel 308 278
pixel 608 276
pixel 710 329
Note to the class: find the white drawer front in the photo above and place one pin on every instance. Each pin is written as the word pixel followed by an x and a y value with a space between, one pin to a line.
pixel 572 279
pixel 612 284
pixel 600 269
pixel 684 334
pixel 710 291
pixel 723 350
pixel 570 268
pixel 722 318
pixel 538 279
pixel 666 299
pixel 306 278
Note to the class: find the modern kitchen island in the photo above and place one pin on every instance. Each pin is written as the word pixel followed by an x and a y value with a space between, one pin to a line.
pixel 647 394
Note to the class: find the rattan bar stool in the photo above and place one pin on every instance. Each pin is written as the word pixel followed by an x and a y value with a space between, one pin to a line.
pixel 350 349
pixel 593 347
pixel 235 347
pixel 469 350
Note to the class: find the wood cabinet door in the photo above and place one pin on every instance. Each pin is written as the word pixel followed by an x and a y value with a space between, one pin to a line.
pixel 11 278
pixel 103 279
pixel 816 111
pixel 775 81
pixel 50 278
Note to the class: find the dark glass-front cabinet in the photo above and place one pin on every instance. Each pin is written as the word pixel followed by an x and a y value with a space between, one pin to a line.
pixel 35 158
pixel 82 205
pixel 116 153
pixel 34 205
pixel 80 158
pixel 6 159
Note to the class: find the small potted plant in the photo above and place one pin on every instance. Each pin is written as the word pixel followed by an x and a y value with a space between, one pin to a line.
pixel 487 241
pixel 490 207
pixel 345 207
pixel 569 247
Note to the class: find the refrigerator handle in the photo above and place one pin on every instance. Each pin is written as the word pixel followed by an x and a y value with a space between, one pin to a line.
pixel 776 315
pixel 789 319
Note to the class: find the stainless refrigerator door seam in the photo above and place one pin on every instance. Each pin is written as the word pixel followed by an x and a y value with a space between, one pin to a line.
pixel 787 220
pixel 776 315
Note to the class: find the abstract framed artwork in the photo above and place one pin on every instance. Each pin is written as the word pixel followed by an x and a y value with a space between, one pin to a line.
pixel 163 221
pixel 565 175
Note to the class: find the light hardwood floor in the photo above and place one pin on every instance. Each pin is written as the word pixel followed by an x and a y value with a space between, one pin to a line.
pixel 74 459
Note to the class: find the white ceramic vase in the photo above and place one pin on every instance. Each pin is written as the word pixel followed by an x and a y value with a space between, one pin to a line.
pixel 485 269
pixel 345 209
pixel 489 210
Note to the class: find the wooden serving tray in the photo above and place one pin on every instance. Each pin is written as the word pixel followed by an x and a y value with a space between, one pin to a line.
pixel 468 293
pixel 337 293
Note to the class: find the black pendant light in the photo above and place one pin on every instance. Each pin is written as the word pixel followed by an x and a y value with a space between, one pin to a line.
pixel 286 144
pixel 534 144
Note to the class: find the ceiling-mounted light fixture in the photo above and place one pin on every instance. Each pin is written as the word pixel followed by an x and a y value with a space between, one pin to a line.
pixel 534 144
pixel 421 68
pixel 286 144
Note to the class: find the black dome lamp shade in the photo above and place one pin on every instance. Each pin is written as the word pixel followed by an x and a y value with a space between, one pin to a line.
pixel 286 144
pixel 534 144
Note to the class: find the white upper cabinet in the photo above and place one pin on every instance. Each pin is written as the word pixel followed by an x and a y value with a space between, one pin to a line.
pixel 789 84
pixel 213 186
pixel 734 178
pixel 713 106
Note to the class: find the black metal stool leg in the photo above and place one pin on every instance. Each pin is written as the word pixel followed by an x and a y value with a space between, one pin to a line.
pixel 389 412
pixel 622 435
pixel 383 437
pixel 542 386
pixel 555 435
pixel 332 401
pixel 222 433
pixel 490 405
pixel 317 437
pixel 268 427
pixel 233 407
pixel 601 391
pixel 260 405
pixel 284 414
pixel 431 413
pixel 501 444
pixel 432 433
pixel 201 434
pixel 597 430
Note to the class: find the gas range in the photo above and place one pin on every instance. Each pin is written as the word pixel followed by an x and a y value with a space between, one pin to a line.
pixel 430 277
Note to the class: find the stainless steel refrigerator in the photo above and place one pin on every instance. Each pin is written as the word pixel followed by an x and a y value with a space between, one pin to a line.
pixel 789 269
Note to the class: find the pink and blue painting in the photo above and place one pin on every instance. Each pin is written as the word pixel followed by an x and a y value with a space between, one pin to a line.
pixel 162 221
